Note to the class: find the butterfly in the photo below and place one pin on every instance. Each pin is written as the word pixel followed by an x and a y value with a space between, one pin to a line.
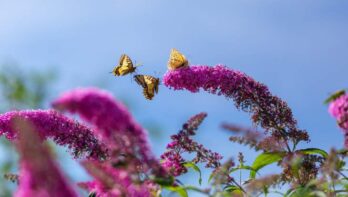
pixel 334 96
pixel 149 84
pixel 176 60
pixel 14 178
pixel 125 66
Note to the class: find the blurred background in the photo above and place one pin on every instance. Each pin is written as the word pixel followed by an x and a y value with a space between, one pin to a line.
pixel 299 49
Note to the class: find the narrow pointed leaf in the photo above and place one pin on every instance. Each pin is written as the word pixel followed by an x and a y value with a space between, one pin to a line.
pixel 195 168
pixel 312 151
pixel 265 159
pixel 179 190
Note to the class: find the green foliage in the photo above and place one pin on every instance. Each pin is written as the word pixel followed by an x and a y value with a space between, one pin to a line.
pixel 164 181
pixel 334 96
pixel 23 90
pixel 92 194
pixel 265 159
pixel 313 151
pixel 177 189
pixel 19 90
pixel 242 167
pixel 195 168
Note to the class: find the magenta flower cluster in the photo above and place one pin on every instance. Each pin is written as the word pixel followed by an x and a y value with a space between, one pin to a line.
pixel 268 111
pixel 112 182
pixel 114 125
pixel 126 140
pixel 338 108
pixel 62 130
pixel 172 159
pixel 39 174
pixel 116 158
pixel 116 149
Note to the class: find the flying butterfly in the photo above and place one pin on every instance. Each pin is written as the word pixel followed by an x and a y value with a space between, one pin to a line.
pixel 334 96
pixel 125 66
pixel 149 84
pixel 176 60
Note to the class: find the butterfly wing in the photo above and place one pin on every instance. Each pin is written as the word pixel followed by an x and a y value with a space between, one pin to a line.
pixel 149 92
pixel 125 66
pixel 176 60
pixel 149 84
pixel 140 79
pixel 156 83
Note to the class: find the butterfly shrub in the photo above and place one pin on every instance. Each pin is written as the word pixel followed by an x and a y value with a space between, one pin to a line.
pixel 114 148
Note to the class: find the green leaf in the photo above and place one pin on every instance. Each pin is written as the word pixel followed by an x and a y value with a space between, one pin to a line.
pixel 179 190
pixel 195 168
pixel 334 96
pixel 92 194
pixel 193 188
pixel 312 151
pixel 243 167
pixel 234 190
pixel 164 181
pixel 265 159
pixel 342 151
pixel 211 177
pixel 231 188
pixel 300 192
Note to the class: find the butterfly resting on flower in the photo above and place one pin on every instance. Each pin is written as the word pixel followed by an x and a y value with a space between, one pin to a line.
pixel 176 60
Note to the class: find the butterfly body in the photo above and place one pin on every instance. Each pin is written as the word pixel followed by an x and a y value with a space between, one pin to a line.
pixel 176 60
pixel 124 67
pixel 149 84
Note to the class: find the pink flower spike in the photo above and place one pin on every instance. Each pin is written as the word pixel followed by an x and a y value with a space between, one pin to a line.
pixel 97 107
pixel 112 182
pixel 113 122
pixel 268 111
pixel 338 108
pixel 39 174
pixel 64 131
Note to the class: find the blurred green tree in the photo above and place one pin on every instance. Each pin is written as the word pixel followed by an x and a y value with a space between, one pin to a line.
pixel 19 90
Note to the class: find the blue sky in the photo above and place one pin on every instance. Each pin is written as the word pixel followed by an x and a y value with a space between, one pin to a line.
pixel 299 48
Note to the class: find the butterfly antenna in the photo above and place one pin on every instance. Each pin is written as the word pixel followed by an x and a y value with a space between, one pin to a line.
pixel 156 74
pixel 135 72
pixel 139 64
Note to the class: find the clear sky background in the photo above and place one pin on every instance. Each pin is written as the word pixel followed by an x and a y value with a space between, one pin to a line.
pixel 299 48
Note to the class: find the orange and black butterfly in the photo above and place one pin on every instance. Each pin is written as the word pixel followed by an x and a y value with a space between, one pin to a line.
pixel 176 60
pixel 149 84
pixel 125 66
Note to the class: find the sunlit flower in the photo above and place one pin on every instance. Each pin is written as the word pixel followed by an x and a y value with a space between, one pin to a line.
pixel 53 125
pixel 182 142
pixel 268 111
pixel 338 108
pixel 112 120
pixel 39 174
pixel 130 154
pixel 111 182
